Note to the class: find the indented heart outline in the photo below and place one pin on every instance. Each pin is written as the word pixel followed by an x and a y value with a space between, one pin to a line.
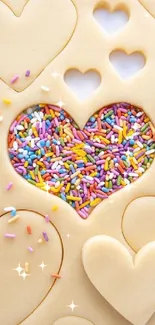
pixel 145 4
pixel 38 224
pixel 112 163
pixel 12 9
pixel 105 259
pixel 46 54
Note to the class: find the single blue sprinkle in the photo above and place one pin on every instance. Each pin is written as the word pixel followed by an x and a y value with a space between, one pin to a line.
pixel 72 168
pixel 129 113
pixel 42 143
pixel 63 197
pixel 54 141
pixel 61 171
pixel 115 160
pixel 20 156
pixel 13 213
pixel 124 142
pixel 105 190
pixel 132 142
pixel 132 119
pixel 92 119
pixel 42 151
pixel 30 161
pixel 61 117
pixel 123 157
pixel 108 120
pixel 33 156
pixel 47 143
pixel 42 172
pixel 73 180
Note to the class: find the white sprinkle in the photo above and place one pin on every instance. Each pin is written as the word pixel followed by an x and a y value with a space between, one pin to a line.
pixel 8 209
pixel 139 114
pixel 118 127
pixel 20 127
pixel 1 118
pixel 32 143
pixel 139 144
pixel 112 139
pixel 45 88
pixel 133 175
pixel 149 152
pixel 15 145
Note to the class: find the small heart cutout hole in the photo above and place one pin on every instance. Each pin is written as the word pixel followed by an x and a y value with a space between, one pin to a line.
pixel 111 21
pixel 83 85
pixel 127 65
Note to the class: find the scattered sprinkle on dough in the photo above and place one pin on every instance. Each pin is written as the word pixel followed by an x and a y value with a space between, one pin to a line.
pixel 40 240
pixel 45 88
pixel 27 73
pixel 45 236
pixel 1 118
pixel 9 186
pixel 13 219
pixel 7 101
pixel 30 249
pixel 14 79
pixel 54 208
pixel 56 276
pixel 29 230
pixel 26 268
pixel 8 235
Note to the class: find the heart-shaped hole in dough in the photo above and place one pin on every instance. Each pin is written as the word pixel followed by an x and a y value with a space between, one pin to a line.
pixel 127 65
pixel 111 19
pixel 82 167
pixel 82 84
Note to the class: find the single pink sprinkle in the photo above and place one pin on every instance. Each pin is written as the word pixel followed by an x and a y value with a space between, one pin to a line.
pixel 30 249
pixel 27 73
pixel 7 235
pixel 14 79
pixel 9 186
pixel 47 218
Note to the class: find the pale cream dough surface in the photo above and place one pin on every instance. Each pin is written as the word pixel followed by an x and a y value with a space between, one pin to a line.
pixel 36 307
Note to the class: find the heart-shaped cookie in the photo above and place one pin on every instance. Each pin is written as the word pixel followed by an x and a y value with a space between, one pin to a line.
pixel 82 167
pixel 129 286
pixel 35 38
pixel 27 260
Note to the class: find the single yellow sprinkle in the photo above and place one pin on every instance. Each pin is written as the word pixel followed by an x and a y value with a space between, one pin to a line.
pixel 73 198
pixel 124 131
pixel 120 137
pixel 68 132
pixel 95 202
pixel 40 240
pixel 7 101
pixel 78 181
pixel 40 178
pixel 32 175
pixel 66 165
pixel 106 167
pixel 56 159
pixel 67 188
pixel 49 154
pixel 21 135
pixel 40 164
pixel 84 204
pixel 13 219
pixel 130 133
pixel 93 174
pixel 146 137
pixel 54 208
pixel 34 130
pixel 26 163
pixel 75 174
pixel 26 267
pixel 105 140
pixel 106 184
pixel 52 113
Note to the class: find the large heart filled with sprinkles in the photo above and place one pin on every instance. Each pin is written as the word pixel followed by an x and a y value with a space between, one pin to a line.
pixel 82 167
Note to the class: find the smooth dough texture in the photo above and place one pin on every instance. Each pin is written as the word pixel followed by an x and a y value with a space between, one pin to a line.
pixel 50 37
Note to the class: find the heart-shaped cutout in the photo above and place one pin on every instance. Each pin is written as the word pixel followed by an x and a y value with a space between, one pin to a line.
pixel 37 32
pixel 26 263
pixel 149 5
pixel 16 6
pixel 111 20
pixel 82 167
pixel 83 85
pixel 126 284
pixel 127 65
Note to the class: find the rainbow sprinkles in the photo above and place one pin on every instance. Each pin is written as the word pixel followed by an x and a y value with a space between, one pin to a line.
pixel 82 167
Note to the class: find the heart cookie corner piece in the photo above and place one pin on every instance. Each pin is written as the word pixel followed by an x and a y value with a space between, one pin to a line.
pixel 129 286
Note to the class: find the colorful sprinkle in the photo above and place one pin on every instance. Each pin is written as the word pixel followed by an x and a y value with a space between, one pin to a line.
pixel 47 218
pixel 29 230
pixel 82 167
pixel 14 79
pixel 14 219
pixel 6 101
pixel 9 209
pixel 45 88
pixel 40 241
pixel 56 276
pixel 1 118
pixel 27 73
pixel 30 249
pixel 26 268
pixel 8 235
pixel 9 186
pixel 45 236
